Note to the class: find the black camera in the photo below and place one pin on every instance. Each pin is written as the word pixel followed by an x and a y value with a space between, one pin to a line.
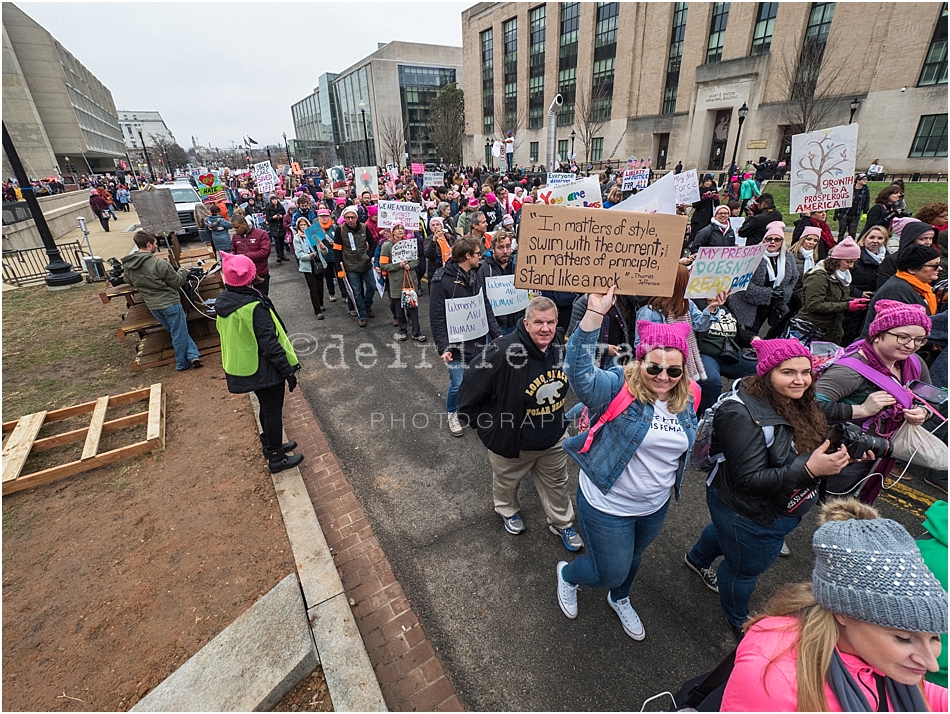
pixel 115 276
pixel 857 442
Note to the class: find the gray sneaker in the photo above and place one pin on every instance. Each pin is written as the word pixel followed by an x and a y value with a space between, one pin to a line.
pixel 455 426
pixel 707 574
pixel 785 552
pixel 514 524
pixel 566 593
pixel 569 536
pixel 628 617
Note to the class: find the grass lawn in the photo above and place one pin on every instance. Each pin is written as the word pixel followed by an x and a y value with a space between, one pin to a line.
pixel 60 348
pixel 916 195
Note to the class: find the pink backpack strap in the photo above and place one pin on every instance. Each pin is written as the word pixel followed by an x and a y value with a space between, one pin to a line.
pixel 618 405
pixel 697 393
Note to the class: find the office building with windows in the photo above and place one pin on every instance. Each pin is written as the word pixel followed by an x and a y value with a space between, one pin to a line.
pixel 375 111
pixel 666 80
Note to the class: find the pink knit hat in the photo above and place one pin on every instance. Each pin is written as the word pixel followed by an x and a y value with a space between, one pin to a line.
pixel 656 335
pixel 772 353
pixel 528 199
pixel 238 270
pixel 777 228
pixel 892 313
pixel 473 203
pixel 812 231
pixel 846 250
pixel 490 197
pixel 372 209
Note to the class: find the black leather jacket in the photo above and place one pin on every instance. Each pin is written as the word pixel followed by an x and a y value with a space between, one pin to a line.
pixel 756 481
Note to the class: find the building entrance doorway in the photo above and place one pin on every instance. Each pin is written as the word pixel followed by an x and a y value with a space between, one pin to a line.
pixel 717 150
pixel 662 152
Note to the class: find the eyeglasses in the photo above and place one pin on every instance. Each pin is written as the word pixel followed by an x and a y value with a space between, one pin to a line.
pixel 774 239
pixel 907 339
pixel 654 369
pixel 935 266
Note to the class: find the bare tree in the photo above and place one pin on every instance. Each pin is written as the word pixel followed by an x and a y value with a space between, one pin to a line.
pixel 173 156
pixel 589 119
pixel 392 137
pixel 447 123
pixel 814 85
pixel 503 126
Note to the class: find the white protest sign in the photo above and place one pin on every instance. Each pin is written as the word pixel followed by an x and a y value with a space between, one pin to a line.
pixel 393 212
pixel 367 180
pixel 635 178
pixel 555 180
pixel 736 223
pixel 685 187
pixel 657 198
pixel 584 194
pixel 404 251
pixel 505 298
pixel 433 178
pixel 822 169
pixel 726 268
pixel 466 318
pixel 264 177
pixel 497 149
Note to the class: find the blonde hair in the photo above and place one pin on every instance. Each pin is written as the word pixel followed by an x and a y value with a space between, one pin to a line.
pixel 880 229
pixel 799 247
pixel 679 397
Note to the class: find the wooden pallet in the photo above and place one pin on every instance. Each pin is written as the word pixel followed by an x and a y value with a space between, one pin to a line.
pixel 22 440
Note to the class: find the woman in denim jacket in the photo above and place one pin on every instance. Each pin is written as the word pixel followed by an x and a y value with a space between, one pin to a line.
pixel 624 490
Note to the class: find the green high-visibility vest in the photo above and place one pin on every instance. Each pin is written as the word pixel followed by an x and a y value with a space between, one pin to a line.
pixel 239 352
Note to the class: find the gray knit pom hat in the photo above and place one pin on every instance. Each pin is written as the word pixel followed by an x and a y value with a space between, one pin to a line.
pixel 872 570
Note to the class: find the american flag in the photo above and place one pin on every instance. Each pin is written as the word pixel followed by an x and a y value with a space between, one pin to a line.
pixel 216 197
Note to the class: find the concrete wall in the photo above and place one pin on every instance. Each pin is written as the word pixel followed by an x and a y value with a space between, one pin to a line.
pixel 60 211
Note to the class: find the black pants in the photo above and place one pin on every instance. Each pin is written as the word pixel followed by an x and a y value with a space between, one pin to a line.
pixel 272 418
pixel 265 286
pixel 279 245
pixel 104 221
pixel 315 285
pixel 329 276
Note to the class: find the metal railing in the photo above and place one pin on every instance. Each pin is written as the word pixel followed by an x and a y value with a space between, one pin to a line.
pixel 28 265
pixel 15 212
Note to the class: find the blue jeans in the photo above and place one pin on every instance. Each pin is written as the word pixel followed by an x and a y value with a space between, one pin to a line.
pixel 221 241
pixel 456 372
pixel 364 286
pixel 173 319
pixel 615 546
pixel 715 371
pixel 748 550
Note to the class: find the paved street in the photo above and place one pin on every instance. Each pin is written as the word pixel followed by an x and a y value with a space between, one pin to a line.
pixel 487 599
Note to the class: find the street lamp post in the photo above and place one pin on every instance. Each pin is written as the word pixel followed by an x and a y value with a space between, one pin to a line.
pixel 854 107
pixel 287 147
pixel 571 157
pixel 148 161
pixel 488 156
pixel 61 274
pixel 743 113
pixel 365 135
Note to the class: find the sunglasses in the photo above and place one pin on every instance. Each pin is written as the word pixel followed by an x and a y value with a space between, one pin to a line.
pixel 654 369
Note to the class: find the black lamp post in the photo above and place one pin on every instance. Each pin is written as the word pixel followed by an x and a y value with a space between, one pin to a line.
pixel 743 113
pixel 854 107
pixel 148 161
pixel 61 274
pixel 287 147
pixel 365 135
pixel 571 157
pixel 488 156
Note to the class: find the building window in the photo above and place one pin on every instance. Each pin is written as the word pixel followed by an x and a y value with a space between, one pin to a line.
pixel 562 149
pixel 605 32
pixel 536 68
pixel 931 138
pixel 533 152
pixel 935 65
pixel 418 86
pixel 488 83
pixel 717 32
pixel 567 61
pixel 675 57
pixel 819 22
pixel 812 54
pixel 597 148
pixel 510 30
pixel 602 90
pixel 764 26
pixel 605 52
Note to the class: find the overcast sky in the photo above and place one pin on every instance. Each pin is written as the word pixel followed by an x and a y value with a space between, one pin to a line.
pixel 223 70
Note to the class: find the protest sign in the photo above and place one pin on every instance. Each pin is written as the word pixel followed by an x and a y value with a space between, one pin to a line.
pixel 657 198
pixel 418 168
pixel 404 251
pixel 569 249
pixel 433 178
pixel 315 234
pixel 367 180
pixel 505 298
pixel 393 212
pixel 555 180
pixel 393 171
pixel 736 223
pixel 822 169
pixel 264 177
pixel 635 178
pixel 337 176
pixel 725 268
pixel 685 187
pixel 297 170
pixel 497 149
pixel 466 318
pixel 156 211
pixel 380 282
pixel 584 193
pixel 210 187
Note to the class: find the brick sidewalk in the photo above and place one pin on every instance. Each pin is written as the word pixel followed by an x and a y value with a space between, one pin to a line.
pixel 409 673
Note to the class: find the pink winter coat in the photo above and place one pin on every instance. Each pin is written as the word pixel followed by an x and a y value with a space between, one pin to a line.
pixel 753 688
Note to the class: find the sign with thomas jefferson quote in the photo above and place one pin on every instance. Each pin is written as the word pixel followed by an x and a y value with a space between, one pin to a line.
pixel 586 250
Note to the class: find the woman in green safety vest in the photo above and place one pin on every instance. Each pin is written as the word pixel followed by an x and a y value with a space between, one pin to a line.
pixel 256 354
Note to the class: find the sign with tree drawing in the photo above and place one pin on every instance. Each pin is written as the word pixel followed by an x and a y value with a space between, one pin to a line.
pixel 822 169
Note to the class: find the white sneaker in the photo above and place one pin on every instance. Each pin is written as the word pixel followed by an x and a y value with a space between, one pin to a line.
pixel 785 552
pixel 628 617
pixel 566 593
pixel 454 425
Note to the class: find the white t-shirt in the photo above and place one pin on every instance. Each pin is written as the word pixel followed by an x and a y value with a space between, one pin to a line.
pixel 647 481
pixel 509 145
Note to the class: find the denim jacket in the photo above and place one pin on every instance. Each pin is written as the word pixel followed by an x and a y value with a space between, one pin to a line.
pixel 617 441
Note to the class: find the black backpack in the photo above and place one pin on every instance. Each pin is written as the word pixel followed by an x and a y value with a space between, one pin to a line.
pixel 704 693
